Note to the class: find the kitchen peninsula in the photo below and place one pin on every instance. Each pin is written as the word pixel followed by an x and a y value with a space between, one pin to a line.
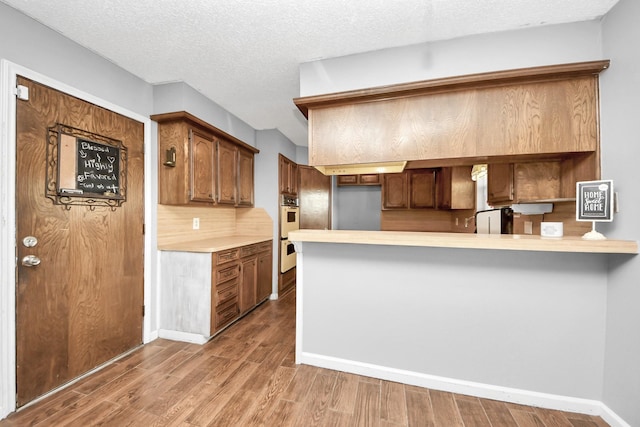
pixel 514 318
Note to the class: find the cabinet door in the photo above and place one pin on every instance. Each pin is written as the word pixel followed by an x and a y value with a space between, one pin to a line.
pixel 395 193
pixel 248 277
pixel 500 183
pixel 227 172
pixel 293 178
pixel 536 181
pixel 284 173
pixel 288 173
pixel 202 174
pixel 456 189
pixel 245 178
pixel 423 189
pixel 314 195
pixel 265 270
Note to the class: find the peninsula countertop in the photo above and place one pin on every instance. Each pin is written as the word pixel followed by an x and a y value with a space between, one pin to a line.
pixel 214 244
pixel 514 242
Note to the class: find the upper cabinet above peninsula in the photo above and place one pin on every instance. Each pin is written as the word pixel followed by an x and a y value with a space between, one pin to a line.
pixel 201 165
pixel 533 113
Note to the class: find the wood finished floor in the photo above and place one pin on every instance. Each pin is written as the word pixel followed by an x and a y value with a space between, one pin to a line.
pixel 247 377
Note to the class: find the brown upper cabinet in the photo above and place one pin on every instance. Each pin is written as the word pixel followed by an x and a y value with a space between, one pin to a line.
pixel 202 165
pixel 395 190
pixel 422 188
pixel 431 188
pixel 456 189
pixel 288 173
pixel 362 179
pixel 500 188
pixel 413 189
pixel 534 112
pixel 549 180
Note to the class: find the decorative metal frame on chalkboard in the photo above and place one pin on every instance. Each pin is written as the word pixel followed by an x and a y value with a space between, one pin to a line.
pixel 85 169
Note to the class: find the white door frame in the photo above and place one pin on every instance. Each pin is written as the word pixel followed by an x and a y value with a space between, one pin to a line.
pixel 8 78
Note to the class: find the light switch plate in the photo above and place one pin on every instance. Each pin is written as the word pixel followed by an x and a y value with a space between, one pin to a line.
pixel 528 227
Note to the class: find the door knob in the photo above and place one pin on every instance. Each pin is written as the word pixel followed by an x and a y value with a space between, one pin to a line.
pixel 30 261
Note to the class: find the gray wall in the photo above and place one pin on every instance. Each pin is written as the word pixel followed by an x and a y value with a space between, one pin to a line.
pixel 620 130
pixel 533 322
pixel 555 44
pixel 357 207
pixel 27 43
pixel 179 96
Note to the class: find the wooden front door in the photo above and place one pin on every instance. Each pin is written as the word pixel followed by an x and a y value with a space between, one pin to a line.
pixel 82 304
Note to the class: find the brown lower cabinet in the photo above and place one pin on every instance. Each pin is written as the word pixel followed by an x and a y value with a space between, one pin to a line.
pixel 242 281
pixel 203 293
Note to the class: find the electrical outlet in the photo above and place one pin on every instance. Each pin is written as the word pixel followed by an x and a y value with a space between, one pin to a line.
pixel 196 223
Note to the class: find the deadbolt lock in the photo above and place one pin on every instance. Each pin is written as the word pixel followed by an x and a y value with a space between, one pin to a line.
pixel 29 241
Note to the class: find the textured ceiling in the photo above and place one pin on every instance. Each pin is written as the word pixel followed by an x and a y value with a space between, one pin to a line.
pixel 244 54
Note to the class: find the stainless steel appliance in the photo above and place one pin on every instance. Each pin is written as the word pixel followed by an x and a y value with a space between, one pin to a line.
pixel 495 221
pixel 289 221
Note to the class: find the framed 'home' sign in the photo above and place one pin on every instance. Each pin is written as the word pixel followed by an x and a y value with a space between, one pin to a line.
pixel 594 201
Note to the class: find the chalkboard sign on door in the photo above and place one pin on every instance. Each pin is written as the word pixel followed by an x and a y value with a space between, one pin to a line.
pixel 85 168
pixel 98 168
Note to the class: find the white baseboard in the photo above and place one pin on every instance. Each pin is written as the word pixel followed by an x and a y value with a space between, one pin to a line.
pixel 612 418
pixel 151 337
pixel 487 391
pixel 182 336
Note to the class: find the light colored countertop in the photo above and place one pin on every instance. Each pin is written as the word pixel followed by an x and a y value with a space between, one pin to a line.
pixel 514 242
pixel 213 244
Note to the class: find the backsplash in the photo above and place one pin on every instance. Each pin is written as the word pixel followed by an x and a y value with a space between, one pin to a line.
pixel 176 223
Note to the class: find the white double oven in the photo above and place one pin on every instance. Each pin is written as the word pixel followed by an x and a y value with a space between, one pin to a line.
pixel 289 221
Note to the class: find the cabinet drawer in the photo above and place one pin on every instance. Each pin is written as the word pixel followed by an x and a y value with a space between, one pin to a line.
pixel 369 179
pixel 227 273
pixel 226 256
pixel 227 313
pixel 226 291
pixel 264 246
pixel 246 251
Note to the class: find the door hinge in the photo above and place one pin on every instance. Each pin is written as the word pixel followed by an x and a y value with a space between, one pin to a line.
pixel 22 92
pixel 144 230
pixel 143 311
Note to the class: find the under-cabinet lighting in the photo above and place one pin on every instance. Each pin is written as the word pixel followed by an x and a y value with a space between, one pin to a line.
pixel 362 168
pixel 478 171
